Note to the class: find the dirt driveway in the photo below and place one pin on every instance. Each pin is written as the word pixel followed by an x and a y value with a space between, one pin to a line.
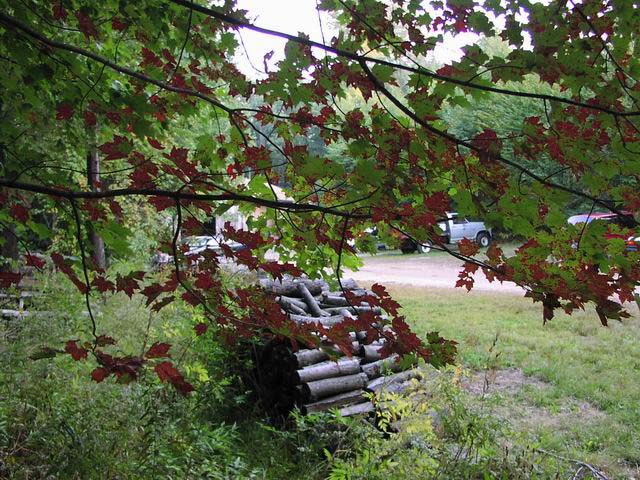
pixel 434 269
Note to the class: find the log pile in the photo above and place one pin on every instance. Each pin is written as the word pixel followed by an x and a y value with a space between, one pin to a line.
pixel 313 379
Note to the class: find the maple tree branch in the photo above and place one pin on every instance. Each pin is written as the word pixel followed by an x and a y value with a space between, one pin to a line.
pixel 282 205
pixel 447 136
pixel 85 270
pixel 419 70
pixel 8 20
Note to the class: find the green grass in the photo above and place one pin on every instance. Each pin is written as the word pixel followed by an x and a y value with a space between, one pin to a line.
pixel 591 408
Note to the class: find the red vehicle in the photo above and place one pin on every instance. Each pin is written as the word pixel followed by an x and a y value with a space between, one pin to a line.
pixel 623 220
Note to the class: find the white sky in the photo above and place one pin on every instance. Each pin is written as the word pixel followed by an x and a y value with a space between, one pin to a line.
pixel 294 16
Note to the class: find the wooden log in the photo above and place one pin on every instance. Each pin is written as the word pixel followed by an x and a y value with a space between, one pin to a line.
pixel 314 391
pixel 354 310
pixel 332 347
pixel 396 387
pixel 303 358
pixel 340 400
pixel 385 383
pixel 349 284
pixel 334 301
pixel 343 366
pixel 361 336
pixel 370 353
pixel 356 291
pixel 289 288
pixel 376 369
pixel 358 409
pixel 292 308
pixel 324 321
pixel 314 308
pixel 283 300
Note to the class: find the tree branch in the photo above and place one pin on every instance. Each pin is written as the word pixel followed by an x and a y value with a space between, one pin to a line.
pixel 419 70
pixel 282 205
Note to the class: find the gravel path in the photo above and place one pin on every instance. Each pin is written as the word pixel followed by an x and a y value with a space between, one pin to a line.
pixel 423 270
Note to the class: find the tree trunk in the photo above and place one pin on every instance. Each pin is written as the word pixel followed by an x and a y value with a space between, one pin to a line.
pixel 10 247
pixel 93 177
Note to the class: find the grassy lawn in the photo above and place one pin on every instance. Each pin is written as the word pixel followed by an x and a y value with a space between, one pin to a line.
pixel 581 391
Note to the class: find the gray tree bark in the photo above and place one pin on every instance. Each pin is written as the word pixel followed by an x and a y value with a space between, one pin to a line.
pixel 93 177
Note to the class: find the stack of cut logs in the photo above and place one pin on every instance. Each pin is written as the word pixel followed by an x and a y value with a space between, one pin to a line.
pixel 309 378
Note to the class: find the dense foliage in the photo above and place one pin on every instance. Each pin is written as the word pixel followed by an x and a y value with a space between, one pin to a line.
pixel 118 115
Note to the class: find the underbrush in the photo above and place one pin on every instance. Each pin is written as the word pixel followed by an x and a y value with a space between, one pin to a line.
pixel 56 423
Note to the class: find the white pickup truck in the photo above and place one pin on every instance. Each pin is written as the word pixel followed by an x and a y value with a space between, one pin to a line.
pixel 455 228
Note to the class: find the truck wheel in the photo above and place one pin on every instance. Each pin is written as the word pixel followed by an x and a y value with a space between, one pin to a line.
pixel 425 247
pixel 483 239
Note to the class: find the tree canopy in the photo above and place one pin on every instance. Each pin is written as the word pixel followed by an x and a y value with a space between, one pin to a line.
pixel 121 112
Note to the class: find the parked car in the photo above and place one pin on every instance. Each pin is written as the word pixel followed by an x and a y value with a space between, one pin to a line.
pixel 369 236
pixel 624 220
pixel 197 245
pixel 455 228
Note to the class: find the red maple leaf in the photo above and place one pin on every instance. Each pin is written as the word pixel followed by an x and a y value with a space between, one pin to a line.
pixel 167 372
pixel 104 340
pixel 116 148
pixel 115 207
pixel 64 111
pixel 487 143
pixel 155 144
pixel 157 306
pixel 77 353
pixel 158 350
pixel 201 329
pixel 90 118
pixel 20 213
pixel 33 261
pixel 129 283
pixel 99 374
pixel 191 298
pixel 446 71
pixel 204 281
pixel 379 290
pixel 468 247
pixel 114 117
pixel 161 203
pixel 59 13
pixel 102 284
pixel 59 262
pixel 9 278
pixel 150 58
pixel 118 24
pixel 86 25
pixel 200 87
pixel 437 202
